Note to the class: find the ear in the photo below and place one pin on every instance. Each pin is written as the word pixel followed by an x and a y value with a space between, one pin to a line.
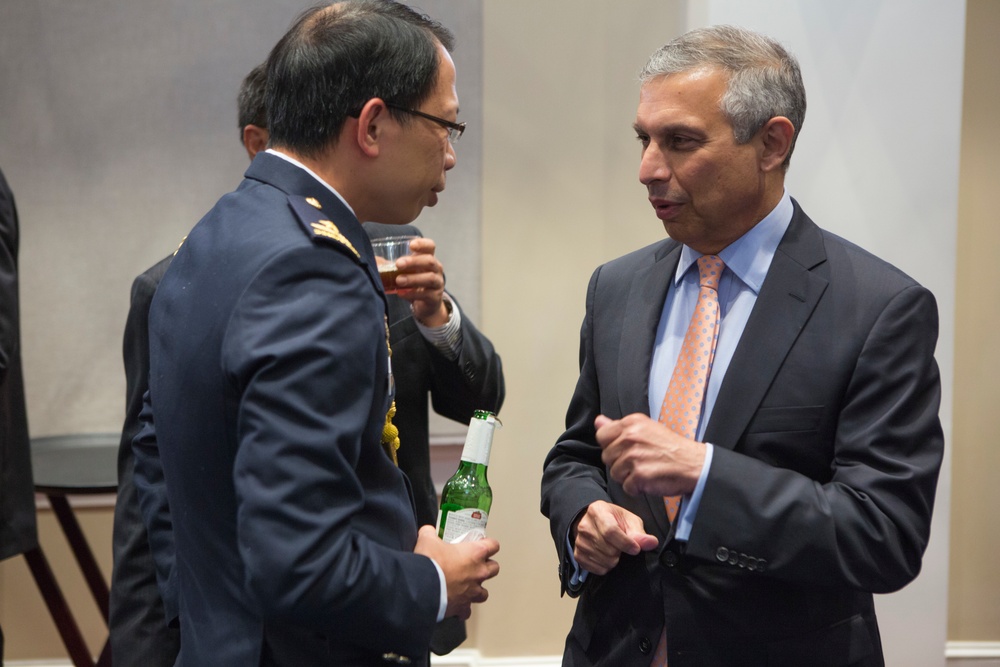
pixel 371 126
pixel 255 139
pixel 776 136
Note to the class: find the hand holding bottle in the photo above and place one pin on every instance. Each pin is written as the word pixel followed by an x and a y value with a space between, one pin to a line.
pixel 466 566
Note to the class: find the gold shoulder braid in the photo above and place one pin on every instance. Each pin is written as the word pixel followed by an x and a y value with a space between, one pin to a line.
pixel 390 434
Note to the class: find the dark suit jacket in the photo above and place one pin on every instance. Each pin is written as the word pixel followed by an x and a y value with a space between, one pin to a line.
pixel 17 494
pixel 269 382
pixel 455 388
pixel 139 633
pixel 827 451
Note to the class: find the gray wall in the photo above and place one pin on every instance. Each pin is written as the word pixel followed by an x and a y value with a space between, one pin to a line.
pixel 117 133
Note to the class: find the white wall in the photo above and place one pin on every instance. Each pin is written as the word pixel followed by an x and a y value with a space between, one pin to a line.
pixel 877 163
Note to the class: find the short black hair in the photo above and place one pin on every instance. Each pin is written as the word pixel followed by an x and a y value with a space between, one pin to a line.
pixel 251 101
pixel 336 57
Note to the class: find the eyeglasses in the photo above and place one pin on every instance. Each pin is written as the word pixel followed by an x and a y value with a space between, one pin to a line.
pixel 455 130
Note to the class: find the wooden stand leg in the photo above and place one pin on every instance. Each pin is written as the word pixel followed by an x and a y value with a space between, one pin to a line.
pixel 52 594
pixel 81 550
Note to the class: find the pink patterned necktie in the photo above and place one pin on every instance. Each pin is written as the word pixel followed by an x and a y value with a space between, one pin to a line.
pixel 682 404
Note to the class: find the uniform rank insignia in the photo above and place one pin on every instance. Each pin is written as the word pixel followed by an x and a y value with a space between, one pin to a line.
pixel 307 209
pixel 329 230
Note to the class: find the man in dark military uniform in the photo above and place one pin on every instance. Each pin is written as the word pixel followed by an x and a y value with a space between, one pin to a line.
pixel 270 378
pixel 453 365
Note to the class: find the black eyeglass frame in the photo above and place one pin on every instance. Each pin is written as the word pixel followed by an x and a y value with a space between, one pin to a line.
pixel 455 130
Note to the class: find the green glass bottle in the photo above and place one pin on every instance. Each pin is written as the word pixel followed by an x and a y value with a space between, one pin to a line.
pixel 467 496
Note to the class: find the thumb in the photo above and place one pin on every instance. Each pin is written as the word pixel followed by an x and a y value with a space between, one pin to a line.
pixel 646 541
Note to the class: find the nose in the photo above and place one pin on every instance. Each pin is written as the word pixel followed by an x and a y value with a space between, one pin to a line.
pixel 449 157
pixel 653 165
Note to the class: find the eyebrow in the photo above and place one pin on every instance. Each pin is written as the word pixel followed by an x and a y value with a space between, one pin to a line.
pixel 671 128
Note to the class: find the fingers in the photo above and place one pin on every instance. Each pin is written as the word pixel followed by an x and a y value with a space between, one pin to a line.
pixel 466 566
pixel 421 259
pixel 489 545
pixel 646 457
pixel 422 246
pixel 604 533
pixel 420 272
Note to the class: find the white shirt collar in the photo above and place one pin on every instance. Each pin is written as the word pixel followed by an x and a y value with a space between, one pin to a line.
pixel 309 171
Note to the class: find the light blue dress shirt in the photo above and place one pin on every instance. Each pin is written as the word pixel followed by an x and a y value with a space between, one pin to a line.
pixel 747 261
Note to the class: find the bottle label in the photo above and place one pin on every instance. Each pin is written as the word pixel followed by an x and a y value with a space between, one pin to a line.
pixel 464 525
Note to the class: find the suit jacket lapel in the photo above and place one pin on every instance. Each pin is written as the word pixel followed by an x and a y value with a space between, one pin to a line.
pixel 787 299
pixel 638 336
pixel 638 332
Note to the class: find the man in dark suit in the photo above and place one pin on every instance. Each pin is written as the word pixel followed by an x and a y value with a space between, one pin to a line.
pixel 17 494
pixel 270 382
pixel 809 483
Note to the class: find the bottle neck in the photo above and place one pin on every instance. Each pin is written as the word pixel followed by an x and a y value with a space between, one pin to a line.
pixel 478 442
pixel 471 468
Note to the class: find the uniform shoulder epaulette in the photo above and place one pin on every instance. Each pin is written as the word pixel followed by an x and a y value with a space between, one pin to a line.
pixel 320 229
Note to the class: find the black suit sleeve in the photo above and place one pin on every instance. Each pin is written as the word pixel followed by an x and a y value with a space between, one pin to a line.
pixel 9 332
pixel 574 475
pixel 138 622
pixel 472 382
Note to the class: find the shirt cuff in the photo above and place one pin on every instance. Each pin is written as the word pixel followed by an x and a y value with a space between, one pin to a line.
pixel 443 604
pixel 689 504
pixel 579 574
pixel 447 338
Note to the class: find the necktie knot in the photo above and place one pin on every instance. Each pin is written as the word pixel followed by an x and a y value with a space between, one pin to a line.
pixel 710 269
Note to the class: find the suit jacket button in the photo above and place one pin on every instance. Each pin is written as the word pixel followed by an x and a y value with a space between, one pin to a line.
pixel 645 646
pixel 722 554
pixel 670 558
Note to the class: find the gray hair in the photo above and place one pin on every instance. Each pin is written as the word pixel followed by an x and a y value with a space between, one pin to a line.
pixel 764 78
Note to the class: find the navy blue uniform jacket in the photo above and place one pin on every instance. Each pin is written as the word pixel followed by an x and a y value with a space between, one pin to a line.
pixel 269 380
